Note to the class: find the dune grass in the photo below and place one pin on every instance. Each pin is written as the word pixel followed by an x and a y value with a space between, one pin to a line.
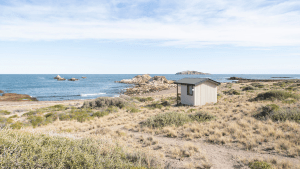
pixel 176 119
pixel 276 95
pixel 29 150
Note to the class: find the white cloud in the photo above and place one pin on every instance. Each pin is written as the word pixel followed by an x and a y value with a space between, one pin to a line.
pixel 258 23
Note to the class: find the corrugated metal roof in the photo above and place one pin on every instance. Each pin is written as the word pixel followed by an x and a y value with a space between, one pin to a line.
pixel 195 81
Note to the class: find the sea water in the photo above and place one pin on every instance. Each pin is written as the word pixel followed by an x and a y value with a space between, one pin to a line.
pixel 45 87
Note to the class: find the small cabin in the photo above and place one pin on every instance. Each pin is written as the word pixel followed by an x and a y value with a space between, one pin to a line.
pixel 197 91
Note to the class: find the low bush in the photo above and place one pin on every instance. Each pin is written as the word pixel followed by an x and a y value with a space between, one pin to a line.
pixel 231 92
pixel 143 99
pixel 155 105
pixel 167 119
pixel 202 117
pixel 276 95
pixel 31 150
pixel 286 114
pixel 275 113
pixel 176 119
pixel 13 116
pixel 100 113
pixel 248 88
pixel 289 101
pixel 4 122
pixel 259 165
pixel 105 102
pixel 4 112
pixel 133 109
pixel 16 125
pixel 258 85
pixel 36 120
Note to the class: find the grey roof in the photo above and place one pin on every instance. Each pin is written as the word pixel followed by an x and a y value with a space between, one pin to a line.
pixel 195 81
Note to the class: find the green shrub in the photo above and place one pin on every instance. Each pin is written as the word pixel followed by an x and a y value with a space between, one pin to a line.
pixel 167 119
pixel 58 107
pixel 13 116
pixel 248 88
pixel 286 114
pixel 276 95
pixel 112 109
pixel 275 113
pixel 105 102
pixel 266 110
pixel 202 117
pixel 231 92
pixel 32 150
pixel 143 99
pixel 258 85
pixel 280 84
pixel 100 113
pixel 259 165
pixel 4 112
pixel 36 120
pixel 16 125
pixel 289 101
pixel 191 110
pixel 133 109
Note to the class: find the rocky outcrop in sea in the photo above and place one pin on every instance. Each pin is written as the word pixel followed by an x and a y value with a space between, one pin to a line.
pixel 191 73
pixel 59 78
pixel 147 84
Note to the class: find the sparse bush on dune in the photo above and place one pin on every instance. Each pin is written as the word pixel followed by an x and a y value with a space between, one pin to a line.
pixel 276 95
pixel 248 88
pixel 176 119
pixel 231 92
pixel 143 99
pixel 30 150
pixel 105 102
pixel 167 119
pixel 202 117
pixel 258 85
pixel 4 112
pixel 278 114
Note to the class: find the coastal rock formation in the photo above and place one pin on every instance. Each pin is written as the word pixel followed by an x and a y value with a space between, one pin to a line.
pixel 61 79
pixel 147 84
pixel 191 73
pixel 72 79
pixel 136 80
pixel 57 77
pixel 16 97
pixel 83 77
pixel 1 91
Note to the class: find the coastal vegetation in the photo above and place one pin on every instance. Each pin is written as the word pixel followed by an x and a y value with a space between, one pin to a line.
pixel 259 120
pixel 32 150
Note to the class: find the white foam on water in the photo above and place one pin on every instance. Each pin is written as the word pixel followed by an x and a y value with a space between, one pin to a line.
pixel 93 94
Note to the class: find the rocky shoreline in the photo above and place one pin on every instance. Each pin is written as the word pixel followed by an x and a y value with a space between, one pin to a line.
pixel 16 97
pixel 146 84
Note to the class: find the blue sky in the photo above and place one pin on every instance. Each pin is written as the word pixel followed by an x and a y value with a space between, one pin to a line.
pixel 143 36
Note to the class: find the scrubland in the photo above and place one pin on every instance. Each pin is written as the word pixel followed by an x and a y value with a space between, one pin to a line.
pixel 253 125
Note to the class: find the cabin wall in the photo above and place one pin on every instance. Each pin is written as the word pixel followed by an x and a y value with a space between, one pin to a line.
pixel 208 93
pixel 186 99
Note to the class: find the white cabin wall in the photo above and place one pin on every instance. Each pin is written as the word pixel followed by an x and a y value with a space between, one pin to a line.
pixel 197 97
pixel 208 93
pixel 186 99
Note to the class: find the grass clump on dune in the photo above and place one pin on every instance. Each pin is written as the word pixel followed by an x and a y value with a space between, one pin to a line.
pixel 176 119
pixel 4 112
pixel 105 102
pixel 143 99
pixel 276 95
pixel 231 92
pixel 30 150
pixel 275 113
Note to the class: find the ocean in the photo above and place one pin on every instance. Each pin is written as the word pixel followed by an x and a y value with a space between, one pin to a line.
pixel 45 88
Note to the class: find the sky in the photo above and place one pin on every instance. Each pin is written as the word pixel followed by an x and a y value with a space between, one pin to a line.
pixel 149 36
